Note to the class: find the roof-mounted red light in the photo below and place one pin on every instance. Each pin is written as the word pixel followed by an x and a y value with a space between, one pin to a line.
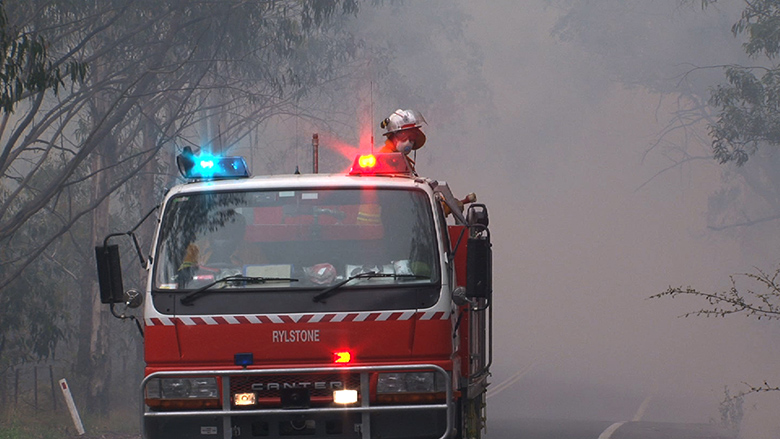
pixel 367 161
pixel 381 164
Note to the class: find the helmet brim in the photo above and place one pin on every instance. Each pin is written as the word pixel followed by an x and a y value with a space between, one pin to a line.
pixel 419 139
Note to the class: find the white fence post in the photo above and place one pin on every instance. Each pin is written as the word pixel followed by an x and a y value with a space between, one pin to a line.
pixel 74 413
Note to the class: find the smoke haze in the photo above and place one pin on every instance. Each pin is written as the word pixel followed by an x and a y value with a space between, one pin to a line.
pixel 560 138
pixel 584 232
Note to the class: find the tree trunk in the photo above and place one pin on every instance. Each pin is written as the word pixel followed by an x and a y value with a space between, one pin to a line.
pixel 92 358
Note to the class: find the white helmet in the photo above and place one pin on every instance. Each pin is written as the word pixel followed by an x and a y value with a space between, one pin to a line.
pixel 402 120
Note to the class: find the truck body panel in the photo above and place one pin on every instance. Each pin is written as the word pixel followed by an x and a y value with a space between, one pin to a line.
pixel 378 336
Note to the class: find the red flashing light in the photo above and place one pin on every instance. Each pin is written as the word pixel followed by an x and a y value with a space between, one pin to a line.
pixel 367 161
pixel 381 164
pixel 342 357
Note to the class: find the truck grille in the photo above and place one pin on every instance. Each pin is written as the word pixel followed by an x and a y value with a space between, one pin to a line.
pixel 320 386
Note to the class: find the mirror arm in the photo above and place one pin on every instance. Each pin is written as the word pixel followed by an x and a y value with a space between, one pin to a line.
pixel 105 241
pixel 144 219
pixel 457 244
pixel 138 249
pixel 131 233
pixel 135 240
pixel 124 317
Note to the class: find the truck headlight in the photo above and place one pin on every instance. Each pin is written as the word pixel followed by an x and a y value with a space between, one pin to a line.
pixel 247 399
pixel 345 396
pixel 410 382
pixel 182 388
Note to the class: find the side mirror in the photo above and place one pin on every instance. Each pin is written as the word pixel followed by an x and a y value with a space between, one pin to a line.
pixel 459 296
pixel 477 215
pixel 109 274
pixel 133 298
pixel 479 268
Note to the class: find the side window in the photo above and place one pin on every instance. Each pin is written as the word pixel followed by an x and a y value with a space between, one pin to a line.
pixel 445 237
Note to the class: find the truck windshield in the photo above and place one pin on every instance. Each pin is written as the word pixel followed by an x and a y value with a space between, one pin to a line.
pixel 315 238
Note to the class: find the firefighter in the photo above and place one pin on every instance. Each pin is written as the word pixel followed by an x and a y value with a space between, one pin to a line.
pixel 226 242
pixel 404 135
pixel 218 250
pixel 402 129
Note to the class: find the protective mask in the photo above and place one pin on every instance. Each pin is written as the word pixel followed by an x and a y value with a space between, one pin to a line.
pixel 404 146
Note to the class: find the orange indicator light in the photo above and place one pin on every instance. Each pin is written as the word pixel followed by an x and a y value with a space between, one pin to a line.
pixel 342 357
pixel 367 161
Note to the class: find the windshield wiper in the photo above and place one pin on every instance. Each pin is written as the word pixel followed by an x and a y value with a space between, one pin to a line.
pixel 331 290
pixel 206 289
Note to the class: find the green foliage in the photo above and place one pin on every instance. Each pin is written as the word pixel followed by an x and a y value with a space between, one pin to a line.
pixel 749 114
pixel 26 67
pixel 749 106
pixel 760 21
pixel 27 423
pixel 12 432
pixel 32 321
pixel 35 308
pixel 17 429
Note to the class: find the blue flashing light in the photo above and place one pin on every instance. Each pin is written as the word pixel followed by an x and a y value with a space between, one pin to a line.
pixel 244 359
pixel 210 167
pixel 206 167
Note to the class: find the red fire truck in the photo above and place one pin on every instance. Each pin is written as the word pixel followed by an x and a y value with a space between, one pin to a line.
pixel 340 306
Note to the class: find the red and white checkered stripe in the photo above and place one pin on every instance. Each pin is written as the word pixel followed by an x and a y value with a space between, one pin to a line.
pixel 297 318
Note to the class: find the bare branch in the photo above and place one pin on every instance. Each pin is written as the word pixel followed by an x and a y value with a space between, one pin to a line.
pixel 745 223
pixel 761 305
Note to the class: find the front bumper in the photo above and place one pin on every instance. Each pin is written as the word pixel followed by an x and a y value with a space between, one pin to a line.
pixel 363 420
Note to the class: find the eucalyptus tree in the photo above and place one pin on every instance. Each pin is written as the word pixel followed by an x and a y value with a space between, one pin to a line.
pixel 748 110
pixel 152 76
pixel 715 62
pixel 152 71
pixel 31 321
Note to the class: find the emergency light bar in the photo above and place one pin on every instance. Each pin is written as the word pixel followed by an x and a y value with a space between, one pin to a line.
pixel 393 163
pixel 209 167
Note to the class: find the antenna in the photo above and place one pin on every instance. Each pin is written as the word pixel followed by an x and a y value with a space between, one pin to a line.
pixel 315 159
pixel 297 143
pixel 371 118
